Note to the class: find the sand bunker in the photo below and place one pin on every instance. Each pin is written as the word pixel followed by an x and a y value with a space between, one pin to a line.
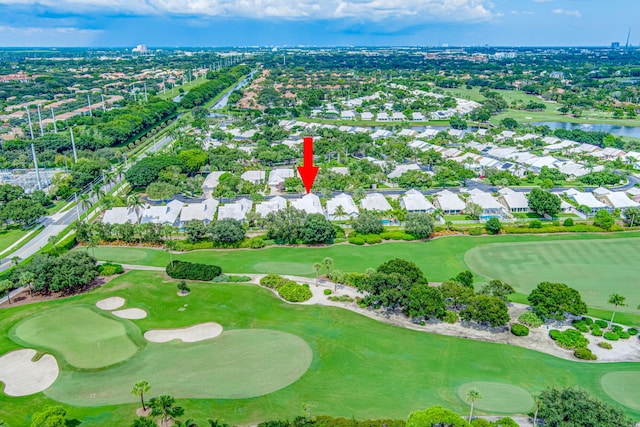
pixel 203 331
pixel 22 377
pixel 110 303
pixel 131 313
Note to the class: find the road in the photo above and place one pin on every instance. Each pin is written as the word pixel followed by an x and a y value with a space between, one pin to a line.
pixel 222 102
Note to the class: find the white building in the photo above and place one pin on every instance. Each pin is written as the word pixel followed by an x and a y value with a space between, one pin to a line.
pixel 618 200
pixel 401 170
pixel 309 203
pixel 211 182
pixel 277 176
pixel 120 215
pixel 588 200
pixel 273 205
pixel 237 210
pixel 375 202
pixel 348 206
pixel 162 215
pixel 448 202
pixel 254 177
pixel 415 201
pixel 490 206
pixel 204 211
pixel 514 201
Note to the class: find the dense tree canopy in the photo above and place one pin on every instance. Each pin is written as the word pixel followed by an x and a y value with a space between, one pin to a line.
pixel 553 300
pixel 544 202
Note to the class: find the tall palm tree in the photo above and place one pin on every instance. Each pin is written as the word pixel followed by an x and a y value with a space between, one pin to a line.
pixel 53 240
pixel 144 422
pixel 317 266
pixel 85 203
pixel 473 395
pixel 163 406
pixel 26 279
pixel 98 193
pixel 6 285
pixel 190 422
pixel 139 389
pixel 328 263
pixel 15 260
pixel 134 202
pixel 536 399
pixel 616 300
pixel 339 213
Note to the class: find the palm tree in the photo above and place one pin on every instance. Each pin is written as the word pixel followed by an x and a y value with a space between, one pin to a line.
pixel 536 399
pixel 190 422
pixel 53 240
pixel 96 191
pixel 139 389
pixel 473 395
pixel 163 406
pixel 26 279
pixel 144 422
pixel 15 260
pixel 328 263
pixel 339 212
pixel 6 285
pixel 317 266
pixel 134 202
pixel 217 423
pixel 85 203
pixel 616 300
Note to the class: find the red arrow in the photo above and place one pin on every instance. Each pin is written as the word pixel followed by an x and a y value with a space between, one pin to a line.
pixel 307 171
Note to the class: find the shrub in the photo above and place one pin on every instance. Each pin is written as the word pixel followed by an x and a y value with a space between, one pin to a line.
pixel 569 339
pixel 519 330
pixel 342 298
pixel 623 335
pixel 273 281
pixel 257 242
pixel 581 326
pixel 450 317
pixel 397 235
pixel 605 344
pixel 535 224
pixel 475 231
pixel 108 269
pixel 584 354
pixel 293 292
pixel 183 287
pixel 587 320
pixel 327 291
pixel 616 328
pixel 602 323
pixel 223 278
pixel 480 422
pixel 193 271
pixel 356 240
pixel 611 336
pixel 372 239
pixel 568 222
pixel 493 226
pixel 632 331
pixel 530 319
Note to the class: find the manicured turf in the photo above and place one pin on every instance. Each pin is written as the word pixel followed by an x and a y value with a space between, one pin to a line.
pixel 9 237
pixel 596 269
pixel 238 364
pixel 623 387
pixel 361 367
pixel 498 396
pixel 78 335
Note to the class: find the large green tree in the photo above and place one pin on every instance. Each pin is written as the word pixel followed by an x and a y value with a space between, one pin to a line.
pixel 498 288
pixel 419 224
pixel 368 222
pixel 285 225
pixel 317 229
pixel 424 301
pixel 603 219
pixel 553 300
pixel 544 202
pixel 486 310
pixel 227 231
pixel 51 416
pixel 436 416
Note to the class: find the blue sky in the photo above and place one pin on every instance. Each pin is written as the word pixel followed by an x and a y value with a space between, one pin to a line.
pixel 117 23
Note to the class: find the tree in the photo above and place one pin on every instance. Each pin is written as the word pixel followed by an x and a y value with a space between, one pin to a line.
pixel 616 300
pixel 509 123
pixel 472 395
pixel 52 416
pixel 455 294
pixel 139 389
pixel 26 279
pixel 473 210
pixel 404 268
pixel 285 225
pixel 424 301
pixel 631 216
pixel 465 278
pixel 553 300
pixel 328 263
pixel 499 289
pixel 603 219
pixel 436 416
pixel 575 407
pixel 368 222
pixel 544 202
pixel 5 286
pixel 195 230
pixel 419 224
pixel 317 229
pixel 135 202
pixel 164 407
pixel 317 267
pixel 340 213
pixel 458 123
pixel 493 226
pixel 228 231
pixel 414 179
pixel 144 422
pixel 485 309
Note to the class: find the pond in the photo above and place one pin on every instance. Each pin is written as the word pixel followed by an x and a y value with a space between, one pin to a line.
pixel 596 127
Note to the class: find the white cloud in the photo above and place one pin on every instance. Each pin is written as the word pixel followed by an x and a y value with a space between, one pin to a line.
pixel 521 12
pixel 575 13
pixel 44 36
pixel 413 10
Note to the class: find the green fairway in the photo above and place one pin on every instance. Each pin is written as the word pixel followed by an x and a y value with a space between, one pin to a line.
pixel 623 387
pixel 497 396
pixel 596 269
pixel 360 367
pixel 238 364
pixel 79 335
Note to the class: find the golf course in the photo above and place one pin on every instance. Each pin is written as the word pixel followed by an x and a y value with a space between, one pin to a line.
pixel 270 357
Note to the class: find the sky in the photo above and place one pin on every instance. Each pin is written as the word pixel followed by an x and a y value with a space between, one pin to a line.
pixel 221 23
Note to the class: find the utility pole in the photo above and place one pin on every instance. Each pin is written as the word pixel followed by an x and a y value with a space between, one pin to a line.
pixel 40 120
pixel 75 197
pixel 89 102
pixel 30 125
pixel 53 117
pixel 73 146
pixel 104 105
pixel 35 164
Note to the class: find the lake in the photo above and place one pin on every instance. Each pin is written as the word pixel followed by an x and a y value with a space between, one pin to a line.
pixel 596 127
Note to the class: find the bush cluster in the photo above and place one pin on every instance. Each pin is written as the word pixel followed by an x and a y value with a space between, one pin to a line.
pixel 596 331
pixel 327 292
pixel 579 228
pixel 293 292
pixel 605 344
pixel 611 336
pixel 580 325
pixel 223 278
pixel 476 231
pixel 450 317
pixel 584 354
pixel 519 330
pixel 601 323
pixel 361 239
pixel 109 269
pixel 632 331
pixel 193 271
pixel 570 339
pixel 355 280
pixel 530 319
pixel 623 335
pixel 397 235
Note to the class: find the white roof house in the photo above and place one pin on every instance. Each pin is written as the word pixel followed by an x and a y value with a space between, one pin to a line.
pixel 211 181
pixel 414 201
pixel 237 210
pixel 448 202
pixel 375 202
pixel 348 206
pixel 273 205
pixel 618 200
pixel 418 117
pixel 348 115
pixel 490 206
pixel 278 175
pixel 310 203
pixel 587 199
pixel 382 117
pixel 401 170
pixel 162 214
pixel 340 170
pixel 120 216
pixel 204 211
pixel 254 177
pixel 515 201
pixel 366 115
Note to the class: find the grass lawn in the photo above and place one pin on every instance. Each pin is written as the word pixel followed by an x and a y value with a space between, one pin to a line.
pixel 10 236
pixel 596 269
pixel 360 367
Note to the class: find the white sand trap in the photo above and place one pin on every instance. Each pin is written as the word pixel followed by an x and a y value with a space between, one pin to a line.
pixel 203 331
pixel 22 377
pixel 110 303
pixel 131 313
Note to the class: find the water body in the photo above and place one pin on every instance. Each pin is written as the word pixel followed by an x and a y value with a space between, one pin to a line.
pixel 222 102
pixel 632 131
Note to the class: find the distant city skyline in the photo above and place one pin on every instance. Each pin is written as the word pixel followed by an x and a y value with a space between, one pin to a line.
pixel 203 23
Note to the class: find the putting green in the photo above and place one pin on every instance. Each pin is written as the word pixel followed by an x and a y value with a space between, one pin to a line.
pixel 595 268
pixel 238 364
pixel 623 387
pixel 79 335
pixel 498 397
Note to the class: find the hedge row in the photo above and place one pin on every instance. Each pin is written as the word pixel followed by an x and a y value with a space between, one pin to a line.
pixel 193 271
pixel 109 269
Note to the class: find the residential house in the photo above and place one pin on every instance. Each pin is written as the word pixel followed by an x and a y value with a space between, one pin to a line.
pixel 415 201
pixel 448 202
pixel 418 117
pixel 121 215
pixel 366 116
pixel 514 201
pixel 272 205
pixel 309 203
pixel 617 200
pixel 254 177
pixel 401 170
pixel 490 206
pixel 375 202
pixel 162 215
pixel 278 175
pixel 237 210
pixel 211 182
pixel 204 211
pixel 348 207
pixel 348 115
pixel 588 200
